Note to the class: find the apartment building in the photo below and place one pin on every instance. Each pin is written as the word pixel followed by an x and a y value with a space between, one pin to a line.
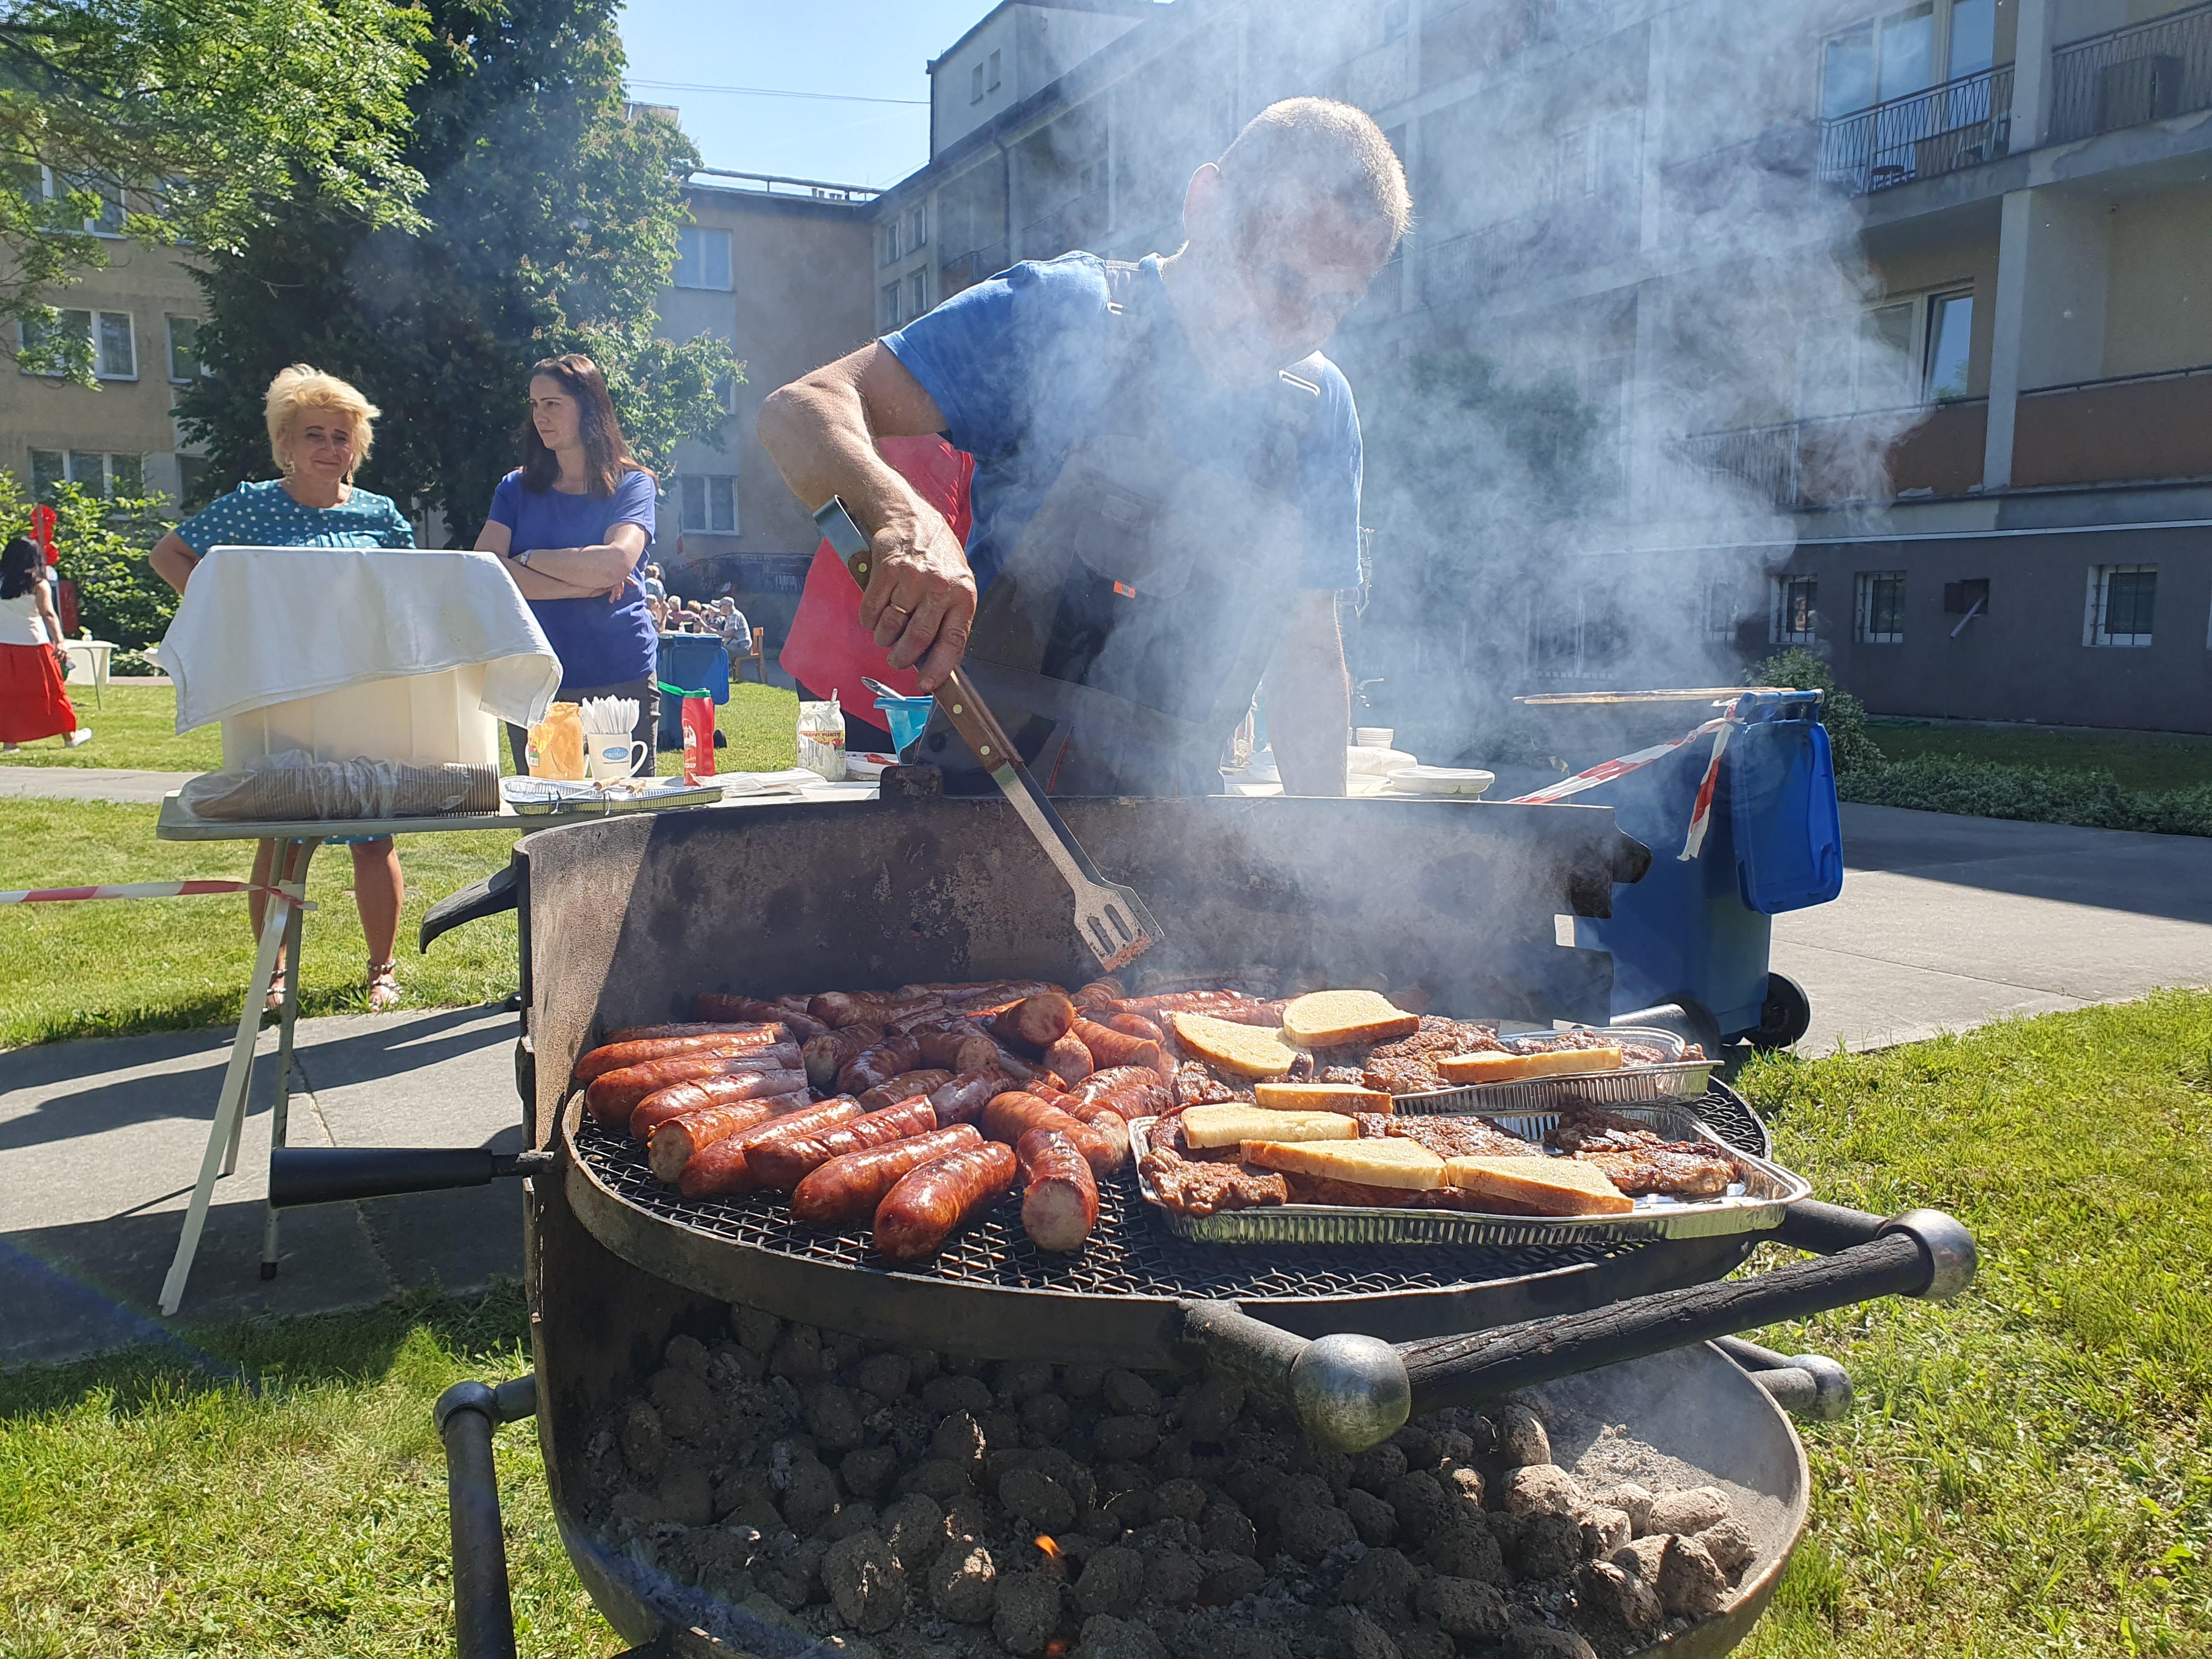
pixel 117 436
pixel 1887 326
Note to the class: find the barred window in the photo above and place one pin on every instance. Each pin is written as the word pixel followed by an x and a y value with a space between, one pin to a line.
pixel 1879 618
pixel 2120 600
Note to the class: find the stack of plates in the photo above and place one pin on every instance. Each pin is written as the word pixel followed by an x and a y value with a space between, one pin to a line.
pixel 1440 780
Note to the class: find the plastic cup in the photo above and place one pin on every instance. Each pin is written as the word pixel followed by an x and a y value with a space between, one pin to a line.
pixel 905 716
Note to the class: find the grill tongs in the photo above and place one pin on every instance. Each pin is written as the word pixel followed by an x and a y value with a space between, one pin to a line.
pixel 1112 919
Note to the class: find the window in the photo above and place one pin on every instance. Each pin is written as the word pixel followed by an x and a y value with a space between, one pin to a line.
pixel 184 354
pixel 1796 611
pixel 891 248
pixel 1903 352
pixel 48 468
pixel 1720 608
pixel 920 223
pixel 917 294
pixel 975 84
pixel 1904 51
pixel 1950 344
pixel 109 220
pixel 2121 596
pixel 709 504
pixel 1970 597
pixel 702 258
pixel 1576 637
pixel 995 71
pixel 90 470
pixel 1575 164
pixel 107 334
pixel 1879 614
pixel 891 306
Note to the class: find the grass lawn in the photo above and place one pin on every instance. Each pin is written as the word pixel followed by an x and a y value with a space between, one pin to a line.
pixel 2029 1470
pixel 2137 760
pixel 762 724
pixel 135 730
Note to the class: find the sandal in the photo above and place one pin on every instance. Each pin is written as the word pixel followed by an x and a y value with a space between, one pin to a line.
pixel 274 1002
pixel 383 985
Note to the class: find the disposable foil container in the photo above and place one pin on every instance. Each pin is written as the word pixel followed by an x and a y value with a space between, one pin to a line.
pixel 1752 1204
pixel 1633 1085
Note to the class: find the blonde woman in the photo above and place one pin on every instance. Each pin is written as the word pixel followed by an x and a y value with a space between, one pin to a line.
pixel 320 430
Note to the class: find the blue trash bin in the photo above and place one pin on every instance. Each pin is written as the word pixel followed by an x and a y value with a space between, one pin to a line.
pixel 1698 932
pixel 694 663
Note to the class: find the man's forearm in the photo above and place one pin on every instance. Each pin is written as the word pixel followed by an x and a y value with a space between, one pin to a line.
pixel 1310 701
pixel 816 431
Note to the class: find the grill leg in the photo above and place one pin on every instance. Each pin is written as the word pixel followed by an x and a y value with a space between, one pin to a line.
pixel 466 1415
pixel 281 1117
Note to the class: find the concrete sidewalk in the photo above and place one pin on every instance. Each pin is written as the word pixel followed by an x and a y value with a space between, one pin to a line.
pixel 88 783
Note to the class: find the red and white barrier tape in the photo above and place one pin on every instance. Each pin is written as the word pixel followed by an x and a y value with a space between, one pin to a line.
pixel 140 890
pixel 1606 771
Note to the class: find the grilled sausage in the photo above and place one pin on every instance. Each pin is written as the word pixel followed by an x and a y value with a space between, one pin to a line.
pixel 1014 1113
pixel 848 1189
pixel 905 1086
pixel 958 1046
pixel 826 1054
pixel 980 992
pixel 1109 1046
pixel 727 1166
pixel 1105 993
pixel 688 1028
pixel 930 1203
pixel 715 1005
pixel 1187 1002
pixel 680 1099
pixel 675 1141
pixel 1134 1025
pixel 1034 1023
pixel 1103 1120
pixel 613 1056
pixel 1257 1013
pixel 879 1064
pixel 1069 1060
pixel 842 1008
pixel 613 1096
pixel 1129 1091
pixel 1060 1195
pixel 782 1162
pixel 964 1098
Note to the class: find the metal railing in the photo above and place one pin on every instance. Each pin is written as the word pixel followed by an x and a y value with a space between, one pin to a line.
pixel 965 270
pixel 1556 240
pixel 2126 76
pixel 774 184
pixel 1960 123
pixel 1821 460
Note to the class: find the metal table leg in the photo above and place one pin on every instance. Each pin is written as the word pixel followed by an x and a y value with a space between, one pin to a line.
pixel 280 1119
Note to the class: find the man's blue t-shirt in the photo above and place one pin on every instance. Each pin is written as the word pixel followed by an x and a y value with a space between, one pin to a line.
pixel 598 643
pixel 1021 364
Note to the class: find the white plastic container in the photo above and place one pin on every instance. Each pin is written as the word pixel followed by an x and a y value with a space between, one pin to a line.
pixel 425 719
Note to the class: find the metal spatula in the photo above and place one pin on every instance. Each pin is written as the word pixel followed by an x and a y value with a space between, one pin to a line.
pixel 1113 921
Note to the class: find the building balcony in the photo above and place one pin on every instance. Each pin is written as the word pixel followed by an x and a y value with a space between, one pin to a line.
pixel 1960 123
pixel 1829 460
pixel 2127 76
pixel 2135 430
pixel 1079 222
pixel 1581 234
pixel 965 270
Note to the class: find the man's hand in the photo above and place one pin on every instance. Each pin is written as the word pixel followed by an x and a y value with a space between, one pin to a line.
pixel 921 599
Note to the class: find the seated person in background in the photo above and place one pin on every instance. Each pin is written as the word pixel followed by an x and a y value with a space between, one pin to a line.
pixel 320 430
pixel 654 588
pixel 737 633
pixel 657 610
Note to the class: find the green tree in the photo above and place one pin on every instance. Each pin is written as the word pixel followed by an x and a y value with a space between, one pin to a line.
pixel 1844 714
pixel 200 120
pixel 101 547
pixel 553 221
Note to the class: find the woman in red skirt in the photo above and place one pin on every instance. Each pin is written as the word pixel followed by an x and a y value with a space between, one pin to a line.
pixel 33 704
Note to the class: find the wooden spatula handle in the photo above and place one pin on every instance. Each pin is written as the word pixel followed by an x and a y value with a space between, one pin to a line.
pixel 975 722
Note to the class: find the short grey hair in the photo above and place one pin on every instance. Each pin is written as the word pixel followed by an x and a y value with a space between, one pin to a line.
pixel 1301 150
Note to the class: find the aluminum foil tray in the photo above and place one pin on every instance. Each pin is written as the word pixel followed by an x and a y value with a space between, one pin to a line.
pixel 1754 1204
pixel 1634 1085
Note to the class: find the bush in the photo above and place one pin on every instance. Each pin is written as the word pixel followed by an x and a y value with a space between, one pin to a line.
pixel 103 545
pixel 1844 714
pixel 1991 789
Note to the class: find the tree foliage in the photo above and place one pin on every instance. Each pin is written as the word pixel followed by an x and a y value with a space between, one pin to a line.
pixel 202 119
pixel 553 223
pixel 101 547
pixel 1844 714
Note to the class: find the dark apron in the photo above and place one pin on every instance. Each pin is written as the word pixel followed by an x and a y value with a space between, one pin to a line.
pixel 1120 643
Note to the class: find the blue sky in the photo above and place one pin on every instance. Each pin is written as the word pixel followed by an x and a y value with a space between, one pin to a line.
pixel 877 50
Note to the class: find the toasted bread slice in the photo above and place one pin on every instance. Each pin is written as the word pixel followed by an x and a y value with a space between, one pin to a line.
pixel 1241 1050
pixel 1497 1068
pixel 1320 1098
pixel 1207 1126
pixel 1336 1020
pixel 1549 1186
pixel 1404 1164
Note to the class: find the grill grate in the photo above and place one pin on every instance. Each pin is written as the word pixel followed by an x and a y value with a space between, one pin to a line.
pixel 1130 1253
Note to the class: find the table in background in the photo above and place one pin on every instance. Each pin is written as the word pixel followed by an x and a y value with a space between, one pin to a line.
pixel 96 653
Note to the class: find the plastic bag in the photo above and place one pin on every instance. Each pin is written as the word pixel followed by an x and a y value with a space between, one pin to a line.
pixel 822 739
pixel 294 786
pixel 556 743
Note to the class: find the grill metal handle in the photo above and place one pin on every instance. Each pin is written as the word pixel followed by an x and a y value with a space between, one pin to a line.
pixel 1352 1392
pixel 466 1414
pixel 333 1175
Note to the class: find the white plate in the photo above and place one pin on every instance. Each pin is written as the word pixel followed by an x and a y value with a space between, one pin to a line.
pixel 1441 781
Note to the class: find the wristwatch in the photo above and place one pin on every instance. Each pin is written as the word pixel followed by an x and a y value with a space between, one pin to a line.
pixel 522 558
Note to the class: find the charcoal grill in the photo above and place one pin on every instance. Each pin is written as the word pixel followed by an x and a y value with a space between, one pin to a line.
pixel 623 921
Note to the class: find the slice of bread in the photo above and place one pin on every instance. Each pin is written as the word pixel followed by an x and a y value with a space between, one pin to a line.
pixel 1241 1050
pixel 1320 1098
pixel 1225 1125
pixel 1548 1186
pixel 1336 1020
pixel 1405 1165
pixel 1497 1068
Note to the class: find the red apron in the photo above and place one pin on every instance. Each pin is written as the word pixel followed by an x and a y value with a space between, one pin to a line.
pixel 827 649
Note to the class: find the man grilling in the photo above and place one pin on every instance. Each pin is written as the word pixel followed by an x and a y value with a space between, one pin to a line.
pixel 1166 493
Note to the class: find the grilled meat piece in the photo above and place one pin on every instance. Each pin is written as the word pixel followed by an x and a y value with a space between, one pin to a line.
pixel 1341 1074
pixel 1583 1125
pixel 1310 1189
pixel 1413 1075
pixel 1678 1169
pixel 1196 1085
pixel 1208 1188
pixel 1462 1137
pixel 1438 1036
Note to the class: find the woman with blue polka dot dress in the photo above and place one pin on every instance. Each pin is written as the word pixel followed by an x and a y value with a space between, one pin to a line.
pixel 320 431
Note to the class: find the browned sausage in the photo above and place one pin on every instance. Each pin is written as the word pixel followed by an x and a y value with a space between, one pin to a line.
pixel 958 1046
pixel 613 1096
pixel 985 992
pixel 1109 1046
pixel 844 1008
pixel 849 1188
pixel 782 1162
pixel 826 1055
pixel 1256 1013
pixel 1103 1120
pixel 715 1005
pixel 1069 1060
pixel 679 1099
pixel 1187 1002
pixel 1035 1023
pixel 613 1056
pixel 726 1166
pixel 879 1064
pixel 905 1086
pixel 929 1204
pixel 964 1098
pixel 1105 993
pixel 1060 1195
pixel 1014 1113
pixel 688 1028
pixel 675 1141
pixel 1130 1091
